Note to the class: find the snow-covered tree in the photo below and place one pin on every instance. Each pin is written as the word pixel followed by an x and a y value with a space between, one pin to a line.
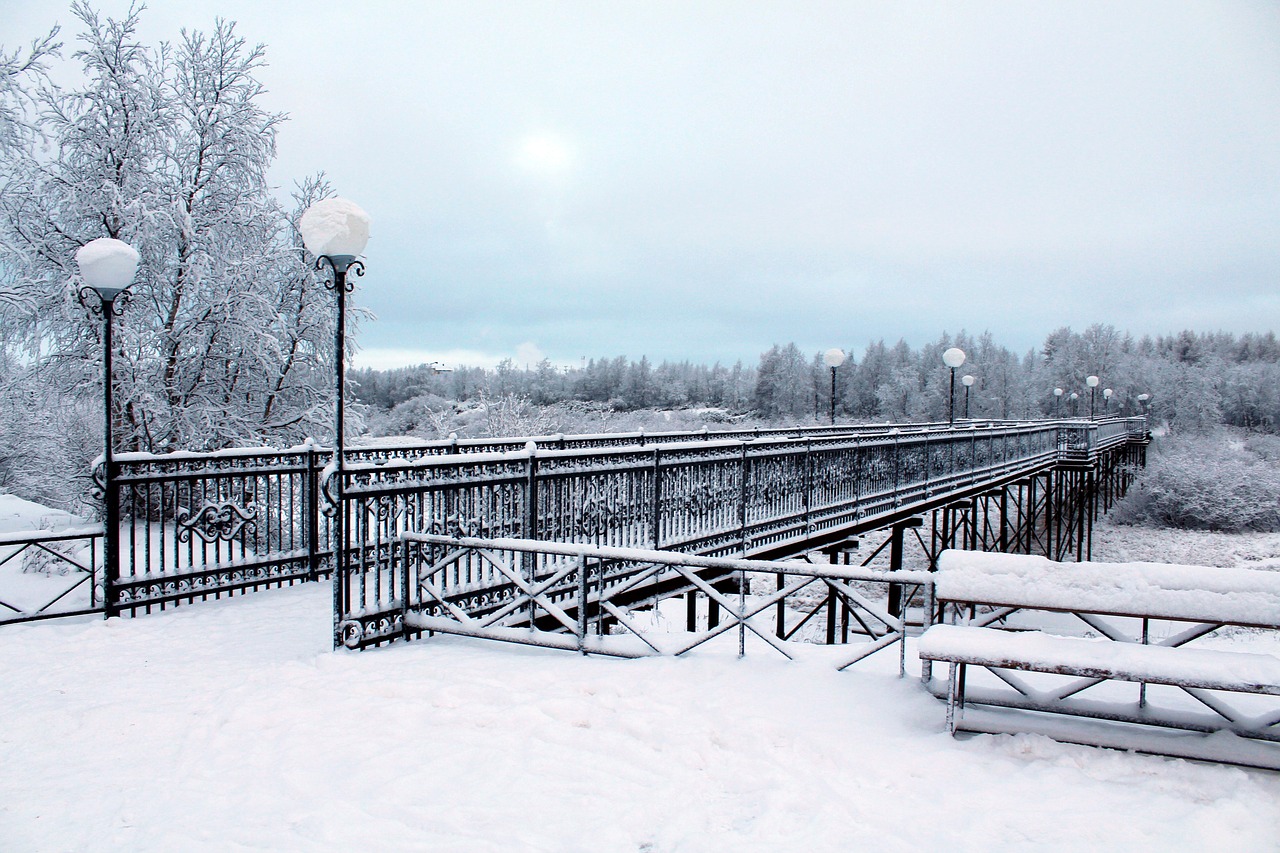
pixel 226 337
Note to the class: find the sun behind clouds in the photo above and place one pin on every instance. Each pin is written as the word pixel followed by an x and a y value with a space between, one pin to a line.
pixel 544 152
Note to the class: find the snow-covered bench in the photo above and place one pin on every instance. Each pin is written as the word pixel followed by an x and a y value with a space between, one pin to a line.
pixel 1126 607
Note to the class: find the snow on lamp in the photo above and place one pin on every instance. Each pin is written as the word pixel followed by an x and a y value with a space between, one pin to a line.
pixel 107 265
pixel 336 228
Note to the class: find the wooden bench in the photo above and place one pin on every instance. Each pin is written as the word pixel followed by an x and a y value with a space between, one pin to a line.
pixel 1035 600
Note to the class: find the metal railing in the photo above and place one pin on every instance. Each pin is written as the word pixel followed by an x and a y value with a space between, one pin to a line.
pixel 715 498
pixel 584 598
pixel 45 573
pixel 197 526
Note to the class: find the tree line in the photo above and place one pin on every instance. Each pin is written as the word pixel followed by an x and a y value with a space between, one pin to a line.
pixel 1188 380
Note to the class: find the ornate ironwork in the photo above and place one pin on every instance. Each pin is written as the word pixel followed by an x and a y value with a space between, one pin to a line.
pixel 115 305
pixel 342 273
pixel 218 520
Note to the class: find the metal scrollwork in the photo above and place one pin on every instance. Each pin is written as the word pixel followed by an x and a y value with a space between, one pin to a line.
pixel 457 525
pixel 97 306
pixel 596 515
pixel 329 492
pixel 354 270
pixel 223 520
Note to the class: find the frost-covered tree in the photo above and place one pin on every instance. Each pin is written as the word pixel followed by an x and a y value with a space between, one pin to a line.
pixel 226 337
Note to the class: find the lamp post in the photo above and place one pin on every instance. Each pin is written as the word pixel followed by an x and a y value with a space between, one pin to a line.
pixel 336 231
pixel 1106 402
pixel 967 381
pixel 1092 382
pixel 1074 398
pixel 833 357
pixel 107 267
pixel 1142 403
pixel 953 358
pixel 1057 402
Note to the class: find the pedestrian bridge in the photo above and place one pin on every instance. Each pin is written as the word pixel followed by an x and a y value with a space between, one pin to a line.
pixel 417 523
pixel 471 536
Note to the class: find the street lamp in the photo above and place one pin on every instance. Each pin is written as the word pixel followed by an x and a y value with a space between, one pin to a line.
pixel 953 358
pixel 1106 402
pixel 107 267
pixel 1074 398
pixel 336 231
pixel 1092 382
pixel 967 380
pixel 834 357
pixel 1057 402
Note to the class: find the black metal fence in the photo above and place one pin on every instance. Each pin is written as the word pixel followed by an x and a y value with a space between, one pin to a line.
pixel 712 497
pixel 45 573
pixel 200 526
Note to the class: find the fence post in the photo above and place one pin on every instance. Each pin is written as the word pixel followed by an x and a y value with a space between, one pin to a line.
pixel 530 522
pixel 582 604
pixel 311 512
pixel 742 500
pixel 656 520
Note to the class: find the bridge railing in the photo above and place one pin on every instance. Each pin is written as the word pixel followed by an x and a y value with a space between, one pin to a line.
pixel 715 498
pixel 202 525
pixel 593 599
pixel 50 573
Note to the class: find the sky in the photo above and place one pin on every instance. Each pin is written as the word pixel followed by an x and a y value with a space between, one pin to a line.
pixel 700 180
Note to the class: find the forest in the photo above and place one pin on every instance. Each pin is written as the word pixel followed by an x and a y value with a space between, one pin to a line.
pixel 1191 382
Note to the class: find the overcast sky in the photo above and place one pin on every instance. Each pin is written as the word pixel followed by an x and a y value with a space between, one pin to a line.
pixel 699 180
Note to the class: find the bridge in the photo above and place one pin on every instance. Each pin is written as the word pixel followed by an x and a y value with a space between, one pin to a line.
pixel 417 524
pixel 558 539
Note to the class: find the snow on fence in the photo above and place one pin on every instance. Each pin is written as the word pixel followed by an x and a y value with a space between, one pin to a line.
pixel 201 525
pixel 610 601
pixel 715 498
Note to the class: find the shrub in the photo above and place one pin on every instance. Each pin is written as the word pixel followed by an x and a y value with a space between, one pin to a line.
pixel 1210 482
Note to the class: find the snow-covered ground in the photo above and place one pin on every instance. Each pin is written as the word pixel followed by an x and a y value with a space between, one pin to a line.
pixel 231 725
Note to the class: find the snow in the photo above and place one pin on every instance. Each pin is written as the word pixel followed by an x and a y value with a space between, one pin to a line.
pixel 17 515
pixel 107 263
pixel 1134 662
pixel 232 725
pixel 1224 594
pixel 335 226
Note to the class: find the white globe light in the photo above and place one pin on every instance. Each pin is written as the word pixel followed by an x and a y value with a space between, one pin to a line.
pixel 834 357
pixel 1057 392
pixel 967 380
pixel 107 265
pixel 953 357
pixel 1107 392
pixel 1144 397
pixel 1091 381
pixel 333 227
